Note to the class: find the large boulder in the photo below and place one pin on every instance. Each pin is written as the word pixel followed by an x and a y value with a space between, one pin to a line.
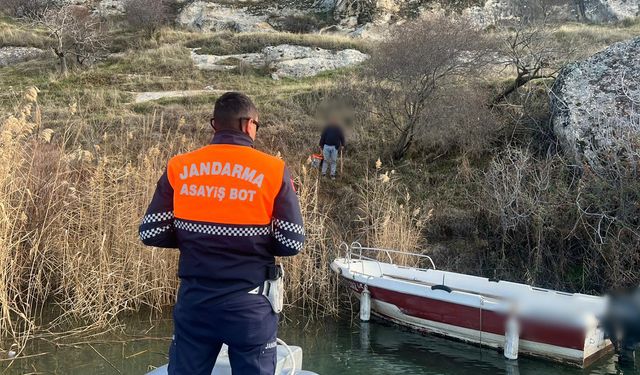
pixel 300 61
pixel 608 10
pixel 595 104
pixel 110 8
pixel 204 16
pixel 284 60
pixel 14 55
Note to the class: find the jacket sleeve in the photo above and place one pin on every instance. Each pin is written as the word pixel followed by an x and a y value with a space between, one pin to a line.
pixel 323 138
pixel 288 228
pixel 157 227
pixel 342 142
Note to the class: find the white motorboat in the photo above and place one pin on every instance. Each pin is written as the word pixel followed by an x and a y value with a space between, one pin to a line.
pixel 551 324
pixel 289 362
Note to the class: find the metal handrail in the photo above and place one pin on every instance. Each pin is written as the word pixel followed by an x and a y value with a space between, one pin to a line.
pixel 354 251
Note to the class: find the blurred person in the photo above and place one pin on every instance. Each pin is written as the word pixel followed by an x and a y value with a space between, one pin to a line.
pixel 331 143
pixel 231 210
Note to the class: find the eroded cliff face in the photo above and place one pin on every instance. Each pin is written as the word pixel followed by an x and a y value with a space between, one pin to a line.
pixel 596 105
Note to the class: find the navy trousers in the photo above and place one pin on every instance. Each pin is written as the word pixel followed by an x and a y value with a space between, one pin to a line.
pixel 245 322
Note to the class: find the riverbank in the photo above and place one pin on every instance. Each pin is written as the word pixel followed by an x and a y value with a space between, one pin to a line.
pixel 80 161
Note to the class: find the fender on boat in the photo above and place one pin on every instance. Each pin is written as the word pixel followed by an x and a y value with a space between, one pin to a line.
pixel 365 305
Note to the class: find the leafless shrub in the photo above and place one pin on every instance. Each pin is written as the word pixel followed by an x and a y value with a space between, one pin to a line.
pixel 531 51
pixel 459 119
pixel 524 200
pixel 75 32
pixel 419 59
pixel 23 8
pixel 301 24
pixel 556 225
pixel 148 15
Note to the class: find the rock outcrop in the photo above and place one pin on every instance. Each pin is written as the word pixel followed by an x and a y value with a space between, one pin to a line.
pixel 608 10
pixel 596 104
pixel 14 55
pixel 204 16
pixel 110 8
pixel 299 61
pixel 597 11
pixel 285 60
pixel 353 14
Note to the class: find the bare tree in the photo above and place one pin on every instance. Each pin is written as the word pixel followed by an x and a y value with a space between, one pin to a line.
pixel 74 31
pixel 148 15
pixel 418 59
pixel 532 52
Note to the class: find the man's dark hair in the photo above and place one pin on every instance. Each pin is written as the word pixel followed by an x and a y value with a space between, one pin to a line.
pixel 230 108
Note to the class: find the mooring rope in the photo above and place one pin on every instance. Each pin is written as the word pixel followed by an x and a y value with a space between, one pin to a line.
pixel 293 360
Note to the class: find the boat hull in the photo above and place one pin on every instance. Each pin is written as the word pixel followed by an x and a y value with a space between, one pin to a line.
pixel 481 326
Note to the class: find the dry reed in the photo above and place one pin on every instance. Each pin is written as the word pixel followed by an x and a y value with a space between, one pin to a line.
pixel 70 204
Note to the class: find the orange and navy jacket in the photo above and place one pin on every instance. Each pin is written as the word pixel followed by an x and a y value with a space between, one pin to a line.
pixel 230 209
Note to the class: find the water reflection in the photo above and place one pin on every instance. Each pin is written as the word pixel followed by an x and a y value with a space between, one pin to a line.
pixel 330 348
pixel 378 348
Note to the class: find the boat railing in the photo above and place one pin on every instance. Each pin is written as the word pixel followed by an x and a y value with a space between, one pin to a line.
pixel 355 252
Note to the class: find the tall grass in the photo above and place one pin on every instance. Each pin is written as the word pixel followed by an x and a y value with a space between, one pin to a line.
pixel 71 200
pixel 68 225
pixel 388 218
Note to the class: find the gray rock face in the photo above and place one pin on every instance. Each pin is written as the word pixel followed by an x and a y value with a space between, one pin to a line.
pixel 599 11
pixel 596 104
pixel 109 8
pixel 204 16
pixel 608 10
pixel 14 55
pixel 352 14
pixel 299 61
pixel 285 60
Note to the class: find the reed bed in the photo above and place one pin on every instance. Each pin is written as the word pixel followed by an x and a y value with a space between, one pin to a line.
pixel 388 218
pixel 70 203
pixel 68 226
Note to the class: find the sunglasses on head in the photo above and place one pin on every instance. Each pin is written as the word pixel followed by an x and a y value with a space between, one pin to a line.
pixel 240 122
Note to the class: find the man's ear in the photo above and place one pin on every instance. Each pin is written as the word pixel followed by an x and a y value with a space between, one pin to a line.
pixel 245 127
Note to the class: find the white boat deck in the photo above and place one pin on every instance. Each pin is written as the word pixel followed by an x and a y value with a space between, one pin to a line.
pixel 578 309
pixel 289 363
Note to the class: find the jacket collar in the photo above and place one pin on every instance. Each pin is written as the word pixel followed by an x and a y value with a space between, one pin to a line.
pixel 231 137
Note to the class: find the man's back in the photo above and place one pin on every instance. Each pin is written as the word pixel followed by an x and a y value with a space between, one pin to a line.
pixel 231 210
pixel 225 196
pixel 332 135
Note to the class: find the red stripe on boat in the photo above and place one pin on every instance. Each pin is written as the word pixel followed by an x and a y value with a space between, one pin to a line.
pixel 469 317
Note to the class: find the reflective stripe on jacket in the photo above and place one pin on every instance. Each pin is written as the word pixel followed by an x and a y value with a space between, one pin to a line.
pixel 230 209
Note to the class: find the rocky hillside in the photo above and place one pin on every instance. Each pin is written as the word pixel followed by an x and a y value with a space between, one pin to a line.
pixel 370 18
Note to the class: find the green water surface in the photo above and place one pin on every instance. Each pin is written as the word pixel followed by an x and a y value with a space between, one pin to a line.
pixel 330 347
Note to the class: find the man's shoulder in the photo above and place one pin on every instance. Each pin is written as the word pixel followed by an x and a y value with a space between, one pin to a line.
pixel 275 160
pixel 187 155
pixel 202 151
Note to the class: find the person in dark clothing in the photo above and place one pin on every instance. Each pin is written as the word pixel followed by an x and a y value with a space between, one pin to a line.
pixel 331 142
pixel 231 210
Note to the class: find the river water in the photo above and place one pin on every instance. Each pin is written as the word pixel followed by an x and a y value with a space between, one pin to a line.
pixel 331 347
